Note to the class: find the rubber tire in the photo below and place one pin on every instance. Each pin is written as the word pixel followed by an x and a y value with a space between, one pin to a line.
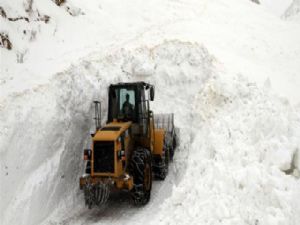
pixel 140 168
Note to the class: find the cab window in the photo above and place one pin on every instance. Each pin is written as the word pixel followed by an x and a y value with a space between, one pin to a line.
pixel 123 104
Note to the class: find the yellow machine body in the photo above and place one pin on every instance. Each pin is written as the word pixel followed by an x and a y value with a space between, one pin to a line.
pixel 119 177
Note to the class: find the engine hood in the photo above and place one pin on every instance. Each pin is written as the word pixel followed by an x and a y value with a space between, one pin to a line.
pixel 111 131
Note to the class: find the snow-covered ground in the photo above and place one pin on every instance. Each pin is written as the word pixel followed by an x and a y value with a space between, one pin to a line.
pixel 229 70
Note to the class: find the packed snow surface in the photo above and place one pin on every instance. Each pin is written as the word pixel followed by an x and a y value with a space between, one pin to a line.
pixel 229 70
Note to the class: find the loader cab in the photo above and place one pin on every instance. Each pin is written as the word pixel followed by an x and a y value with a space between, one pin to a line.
pixel 130 102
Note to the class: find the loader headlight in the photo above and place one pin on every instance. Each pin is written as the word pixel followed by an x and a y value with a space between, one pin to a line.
pixel 121 155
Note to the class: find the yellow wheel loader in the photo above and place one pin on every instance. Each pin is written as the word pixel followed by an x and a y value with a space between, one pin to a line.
pixel 133 146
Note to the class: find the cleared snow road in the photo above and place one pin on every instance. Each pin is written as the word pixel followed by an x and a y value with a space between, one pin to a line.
pixel 119 210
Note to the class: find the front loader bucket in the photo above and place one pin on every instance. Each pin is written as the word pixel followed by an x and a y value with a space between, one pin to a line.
pixel 96 193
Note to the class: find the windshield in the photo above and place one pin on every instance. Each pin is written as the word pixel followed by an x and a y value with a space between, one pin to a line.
pixel 123 103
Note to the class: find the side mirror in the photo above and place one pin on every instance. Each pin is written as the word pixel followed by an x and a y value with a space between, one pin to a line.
pixel 152 92
pixel 87 153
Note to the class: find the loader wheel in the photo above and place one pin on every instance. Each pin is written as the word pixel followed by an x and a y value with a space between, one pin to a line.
pixel 141 169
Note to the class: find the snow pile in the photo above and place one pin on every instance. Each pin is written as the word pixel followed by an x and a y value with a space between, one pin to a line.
pixel 247 138
pixel 42 129
pixel 293 12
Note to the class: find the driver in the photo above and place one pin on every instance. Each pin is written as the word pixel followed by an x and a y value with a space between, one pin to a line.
pixel 127 108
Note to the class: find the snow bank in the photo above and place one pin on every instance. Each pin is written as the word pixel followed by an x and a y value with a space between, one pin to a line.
pixel 43 128
pixel 246 139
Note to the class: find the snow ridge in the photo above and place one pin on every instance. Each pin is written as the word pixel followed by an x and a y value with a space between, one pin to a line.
pixel 236 169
